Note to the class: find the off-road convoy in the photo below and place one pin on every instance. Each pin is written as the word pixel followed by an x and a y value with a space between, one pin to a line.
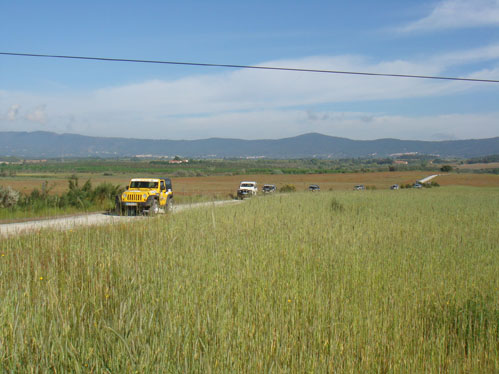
pixel 247 189
pixel 268 188
pixel 145 196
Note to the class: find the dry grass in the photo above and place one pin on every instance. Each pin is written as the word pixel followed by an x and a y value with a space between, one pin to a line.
pixel 491 165
pixel 466 179
pixel 225 185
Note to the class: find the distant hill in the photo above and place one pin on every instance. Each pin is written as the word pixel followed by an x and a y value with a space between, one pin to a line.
pixel 41 144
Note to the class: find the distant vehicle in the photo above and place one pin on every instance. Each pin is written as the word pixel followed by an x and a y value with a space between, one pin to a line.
pixel 314 187
pixel 394 187
pixel 268 188
pixel 417 185
pixel 246 189
pixel 359 187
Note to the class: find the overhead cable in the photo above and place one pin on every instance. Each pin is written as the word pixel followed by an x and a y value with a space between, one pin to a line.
pixel 259 67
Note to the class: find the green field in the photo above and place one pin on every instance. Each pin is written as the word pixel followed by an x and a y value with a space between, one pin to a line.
pixel 375 281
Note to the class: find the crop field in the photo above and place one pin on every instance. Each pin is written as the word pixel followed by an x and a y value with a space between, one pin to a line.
pixel 337 281
pixel 222 186
pixel 490 165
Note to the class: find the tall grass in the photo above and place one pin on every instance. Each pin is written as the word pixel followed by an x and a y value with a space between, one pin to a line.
pixel 381 281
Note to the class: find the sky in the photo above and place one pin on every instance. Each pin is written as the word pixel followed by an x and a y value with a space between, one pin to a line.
pixel 452 38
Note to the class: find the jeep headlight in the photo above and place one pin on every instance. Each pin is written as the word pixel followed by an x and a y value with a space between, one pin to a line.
pixel 144 196
pixel 124 196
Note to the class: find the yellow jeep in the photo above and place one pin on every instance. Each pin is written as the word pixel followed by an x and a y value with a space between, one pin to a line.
pixel 146 195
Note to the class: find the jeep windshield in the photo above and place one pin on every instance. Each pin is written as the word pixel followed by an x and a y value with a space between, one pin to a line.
pixel 143 184
pixel 248 185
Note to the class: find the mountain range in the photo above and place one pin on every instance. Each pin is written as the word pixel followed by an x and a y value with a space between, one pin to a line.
pixel 41 144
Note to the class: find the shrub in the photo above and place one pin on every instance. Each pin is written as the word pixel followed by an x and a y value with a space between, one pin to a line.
pixel 182 173
pixel 446 168
pixel 76 196
pixel 287 188
pixel 8 197
pixel 103 195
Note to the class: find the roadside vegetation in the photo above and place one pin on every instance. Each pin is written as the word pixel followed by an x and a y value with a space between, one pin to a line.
pixel 77 198
pixel 373 281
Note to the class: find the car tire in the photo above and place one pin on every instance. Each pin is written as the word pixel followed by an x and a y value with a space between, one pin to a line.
pixel 154 209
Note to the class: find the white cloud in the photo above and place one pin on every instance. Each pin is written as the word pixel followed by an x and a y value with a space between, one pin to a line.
pixel 482 54
pixel 37 115
pixel 13 112
pixel 259 90
pixel 453 14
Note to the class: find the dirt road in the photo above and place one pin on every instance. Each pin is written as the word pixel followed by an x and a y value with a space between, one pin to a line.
pixel 95 219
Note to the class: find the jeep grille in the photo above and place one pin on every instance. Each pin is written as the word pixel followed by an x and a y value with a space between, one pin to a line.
pixel 134 196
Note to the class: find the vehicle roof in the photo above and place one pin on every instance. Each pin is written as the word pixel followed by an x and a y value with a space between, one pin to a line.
pixel 146 179
pixel 248 182
pixel 269 185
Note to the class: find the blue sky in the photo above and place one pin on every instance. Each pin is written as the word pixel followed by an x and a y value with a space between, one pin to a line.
pixel 443 37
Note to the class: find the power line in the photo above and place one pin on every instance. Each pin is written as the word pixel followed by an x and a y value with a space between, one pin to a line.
pixel 250 67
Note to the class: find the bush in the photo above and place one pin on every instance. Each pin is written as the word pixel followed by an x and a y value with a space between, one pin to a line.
pixel 103 195
pixel 77 196
pixel 182 173
pixel 84 197
pixel 287 188
pixel 446 168
pixel 8 197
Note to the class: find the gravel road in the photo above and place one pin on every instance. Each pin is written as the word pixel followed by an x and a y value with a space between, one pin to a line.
pixel 64 223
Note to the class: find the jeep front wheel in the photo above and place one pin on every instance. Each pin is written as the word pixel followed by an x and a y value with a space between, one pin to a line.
pixel 154 209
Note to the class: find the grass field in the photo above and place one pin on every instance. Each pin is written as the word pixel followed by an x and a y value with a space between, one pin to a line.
pixel 343 281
